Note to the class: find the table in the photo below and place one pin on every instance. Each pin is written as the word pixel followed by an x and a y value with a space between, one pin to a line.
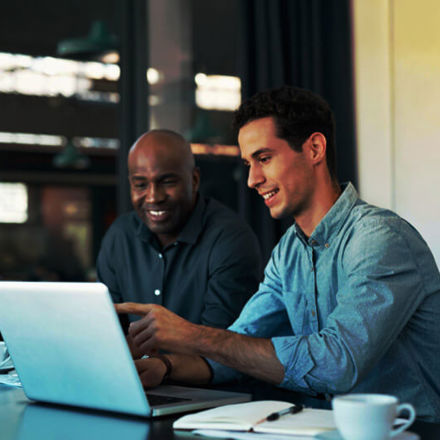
pixel 21 419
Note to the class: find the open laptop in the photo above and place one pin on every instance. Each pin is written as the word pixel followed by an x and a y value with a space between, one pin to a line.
pixel 68 348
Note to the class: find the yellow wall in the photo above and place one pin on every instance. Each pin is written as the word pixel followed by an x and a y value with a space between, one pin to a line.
pixel 397 80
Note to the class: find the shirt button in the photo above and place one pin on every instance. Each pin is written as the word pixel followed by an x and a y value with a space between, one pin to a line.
pixel 160 255
pixel 157 292
pixel 327 245
pixel 313 313
pixel 314 243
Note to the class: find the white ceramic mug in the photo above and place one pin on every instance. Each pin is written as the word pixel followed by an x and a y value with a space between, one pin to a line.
pixel 369 416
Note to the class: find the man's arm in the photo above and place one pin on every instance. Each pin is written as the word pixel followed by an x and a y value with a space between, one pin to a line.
pixel 380 293
pixel 161 329
pixel 105 265
pixel 189 369
pixel 234 272
pixel 106 274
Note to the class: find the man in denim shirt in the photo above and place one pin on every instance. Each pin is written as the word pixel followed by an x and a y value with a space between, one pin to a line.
pixel 350 301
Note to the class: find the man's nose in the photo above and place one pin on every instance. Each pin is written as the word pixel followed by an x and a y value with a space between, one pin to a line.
pixel 154 193
pixel 255 177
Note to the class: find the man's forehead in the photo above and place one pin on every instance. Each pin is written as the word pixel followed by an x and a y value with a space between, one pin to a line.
pixel 156 168
pixel 152 154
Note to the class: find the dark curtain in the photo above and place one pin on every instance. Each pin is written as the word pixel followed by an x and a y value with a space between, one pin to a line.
pixel 305 43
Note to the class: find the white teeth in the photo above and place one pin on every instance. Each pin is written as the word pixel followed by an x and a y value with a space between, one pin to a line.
pixel 268 195
pixel 157 212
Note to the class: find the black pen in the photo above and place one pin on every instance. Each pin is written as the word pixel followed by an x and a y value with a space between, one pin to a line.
pixel 291 410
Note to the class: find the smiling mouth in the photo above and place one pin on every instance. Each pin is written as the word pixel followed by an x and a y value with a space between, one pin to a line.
pixel 157 215
pixel 267 196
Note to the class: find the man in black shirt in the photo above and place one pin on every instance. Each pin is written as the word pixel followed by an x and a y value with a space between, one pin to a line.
pixel 178 249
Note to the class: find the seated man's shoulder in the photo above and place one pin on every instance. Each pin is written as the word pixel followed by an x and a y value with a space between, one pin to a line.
pixel 384 231
pixel 366 217
pixel 218 215
pixel 125 224
pixel 226 232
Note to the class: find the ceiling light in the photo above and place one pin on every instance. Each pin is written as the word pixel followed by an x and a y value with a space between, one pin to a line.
pixel 95 45
pixel 70 157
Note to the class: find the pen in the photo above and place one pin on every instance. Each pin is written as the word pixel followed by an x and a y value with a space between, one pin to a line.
pixel 291 410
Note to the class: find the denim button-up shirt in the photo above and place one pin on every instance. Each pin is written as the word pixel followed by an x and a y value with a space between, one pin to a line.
pixel 353 308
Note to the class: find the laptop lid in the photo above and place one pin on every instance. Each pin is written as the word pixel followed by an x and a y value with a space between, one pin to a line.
pixel 68 348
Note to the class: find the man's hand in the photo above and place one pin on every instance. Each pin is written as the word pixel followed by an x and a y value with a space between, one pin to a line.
pixel 161 329
pixel 151 371
pixel 158 328
pixel 136 353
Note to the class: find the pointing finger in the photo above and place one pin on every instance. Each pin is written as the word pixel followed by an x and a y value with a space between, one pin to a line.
pixel 133 308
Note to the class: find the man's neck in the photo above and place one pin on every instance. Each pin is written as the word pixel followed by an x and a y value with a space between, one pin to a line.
pixel 324 198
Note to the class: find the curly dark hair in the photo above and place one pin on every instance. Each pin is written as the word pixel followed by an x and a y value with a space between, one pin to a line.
pixel 297 113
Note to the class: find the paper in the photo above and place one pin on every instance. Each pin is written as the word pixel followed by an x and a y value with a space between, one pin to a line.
pixel 10 379
pixel 308 422
pixel 5 359
pixel 239 417
pixel 249 417
pixel 246 435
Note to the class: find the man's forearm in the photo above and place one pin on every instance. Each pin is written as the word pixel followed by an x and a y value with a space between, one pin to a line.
pixel 161 329
pixel 189 369
pixel 253 356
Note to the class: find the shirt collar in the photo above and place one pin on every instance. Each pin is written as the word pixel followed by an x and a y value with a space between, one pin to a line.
pixel 332 222
pixel 190 231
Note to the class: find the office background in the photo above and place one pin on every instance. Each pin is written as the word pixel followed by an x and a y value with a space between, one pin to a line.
pixel 65 128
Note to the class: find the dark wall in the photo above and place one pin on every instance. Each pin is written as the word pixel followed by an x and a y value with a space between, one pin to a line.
pixel 35 27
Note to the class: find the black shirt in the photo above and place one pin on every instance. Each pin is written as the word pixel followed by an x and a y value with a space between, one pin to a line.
pixel 205 276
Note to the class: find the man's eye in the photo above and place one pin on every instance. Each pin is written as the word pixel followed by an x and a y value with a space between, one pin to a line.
pixel 169 181
pixel 264 159
pixel 138 185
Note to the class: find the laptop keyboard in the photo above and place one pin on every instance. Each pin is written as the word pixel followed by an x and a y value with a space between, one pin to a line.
pixel 157 399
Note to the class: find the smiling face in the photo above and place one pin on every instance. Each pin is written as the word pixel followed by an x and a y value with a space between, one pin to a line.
pixel 282 176
pixel 163 183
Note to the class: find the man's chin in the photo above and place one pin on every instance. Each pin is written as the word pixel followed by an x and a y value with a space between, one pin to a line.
pixel 159 228
pixel 277 213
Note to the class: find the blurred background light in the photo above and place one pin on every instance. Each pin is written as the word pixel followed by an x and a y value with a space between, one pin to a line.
pixel 13 203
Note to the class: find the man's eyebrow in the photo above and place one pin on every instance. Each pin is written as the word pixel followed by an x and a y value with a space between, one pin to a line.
pixel 135 177
pixel 167 176
pixel 159 177
pixel 257 153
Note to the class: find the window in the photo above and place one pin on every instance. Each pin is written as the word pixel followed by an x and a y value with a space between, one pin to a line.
pixel 13 203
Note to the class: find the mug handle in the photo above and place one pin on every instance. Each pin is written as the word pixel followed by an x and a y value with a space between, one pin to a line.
pixel 409 422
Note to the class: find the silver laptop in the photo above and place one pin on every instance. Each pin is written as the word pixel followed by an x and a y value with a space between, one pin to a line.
pixel 68 348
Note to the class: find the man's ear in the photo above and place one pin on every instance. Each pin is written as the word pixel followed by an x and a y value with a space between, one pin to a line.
pixel 317 147
pixel 196 179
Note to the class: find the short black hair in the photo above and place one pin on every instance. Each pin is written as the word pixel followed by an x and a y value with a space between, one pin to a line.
pixel 297 113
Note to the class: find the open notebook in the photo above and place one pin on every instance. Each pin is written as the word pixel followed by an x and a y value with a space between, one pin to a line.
pixel 68 348
pixel 251 416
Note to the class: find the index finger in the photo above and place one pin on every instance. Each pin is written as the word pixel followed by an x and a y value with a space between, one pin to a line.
pixel 133 308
